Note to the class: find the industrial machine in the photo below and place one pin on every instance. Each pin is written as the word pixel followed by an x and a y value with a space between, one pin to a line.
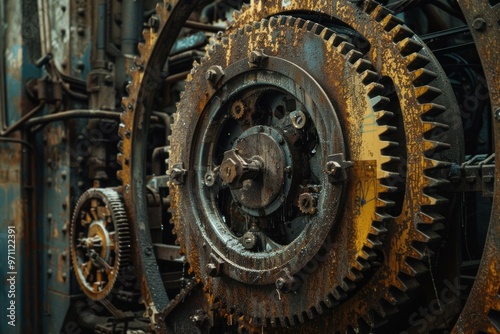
pixel 263 166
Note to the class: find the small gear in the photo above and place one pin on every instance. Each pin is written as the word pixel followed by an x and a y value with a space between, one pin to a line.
pixel 99 241
pixel 238 109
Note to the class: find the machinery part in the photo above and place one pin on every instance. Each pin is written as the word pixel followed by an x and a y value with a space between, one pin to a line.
pixel 99 241
pixel 275 211
pixel 482 310
pixel 133 131
pixel 428 114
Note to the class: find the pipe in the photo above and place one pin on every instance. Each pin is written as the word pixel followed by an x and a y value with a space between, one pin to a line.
pixel 23 119
pixel 78 113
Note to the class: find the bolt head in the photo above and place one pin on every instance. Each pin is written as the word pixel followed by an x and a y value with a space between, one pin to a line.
pixel 479 24
pixel 332 168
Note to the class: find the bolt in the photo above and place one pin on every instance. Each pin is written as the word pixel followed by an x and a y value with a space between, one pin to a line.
pixel 108 80
pixel 479 24
pixel 63 255
pixel 148 251
pixel 49 181
pixel 257 58
pixel 154 22
pixel 129 106
pixel 49 272
pixel 64 174
pixel 286 284
pixel 49 253
pixel 64 276
pixel 332 168
pixel 214 74
pixel 65 228
pixel 81 11
pixel 127 134
pixel 81 31
pixel 49 217
pixel 497 114
pixel 298 119
pixel 288 169
pixel 212 270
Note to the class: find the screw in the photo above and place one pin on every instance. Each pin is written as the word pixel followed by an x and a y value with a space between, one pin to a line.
pixel 81 31
pixel 63 255
pixel 49 217
pixel 49 272
pixel 479 24
pixel 81 11
pixel 288 169
pixel 148 251
pixel 64 174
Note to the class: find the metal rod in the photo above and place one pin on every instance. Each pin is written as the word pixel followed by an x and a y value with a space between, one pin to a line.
pixel 203 27
pixel 78 113
pixel 17 141
pixel 3 107
pixel 23 119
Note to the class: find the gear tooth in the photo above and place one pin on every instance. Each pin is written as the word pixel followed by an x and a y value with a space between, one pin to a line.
pixel 428 218
pixel 369 76
pixel 431 146
pixel 386 129
pixel 336 40
pixel 329 301
pixel 387 175
pixel 390 298
pixel 427 236
pixel 409 46
pixel 416 61
pixel 433 182
pixel 355 275
pixel 374 89
pixel 388 144
pixel 317 29
pixel 378 102
pixel 119 159
pixel 383 203
pixel 273 21
pixel 377 230
pixel 401 32
pixel 434 199
pixel 383 115
pixel 361 265
pixel 339 294
pixel 431 109
pixel 367 254
pixel 390 22
pixel 373 243
pixel 236 14
pixel 347 285
pixel 345 47
pixel 423 76
pixel 119 175
pixel 432 126
pixel 353 56
pixel 379 13
pixel 146 33
pixel 142 49
pixel 386 159
pixel 425 94
pixel 326 34
pixel 416 267
pixel 429 163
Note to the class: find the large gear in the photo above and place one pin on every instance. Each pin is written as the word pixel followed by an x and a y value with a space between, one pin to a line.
pixel 418 100
pixel 261 67
pixel 99 241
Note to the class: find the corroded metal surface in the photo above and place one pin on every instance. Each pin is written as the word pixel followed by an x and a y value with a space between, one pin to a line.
pixel 482 310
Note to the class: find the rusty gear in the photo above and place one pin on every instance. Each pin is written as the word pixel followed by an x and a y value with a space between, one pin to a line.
pixel 99 241
pixel 270 82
